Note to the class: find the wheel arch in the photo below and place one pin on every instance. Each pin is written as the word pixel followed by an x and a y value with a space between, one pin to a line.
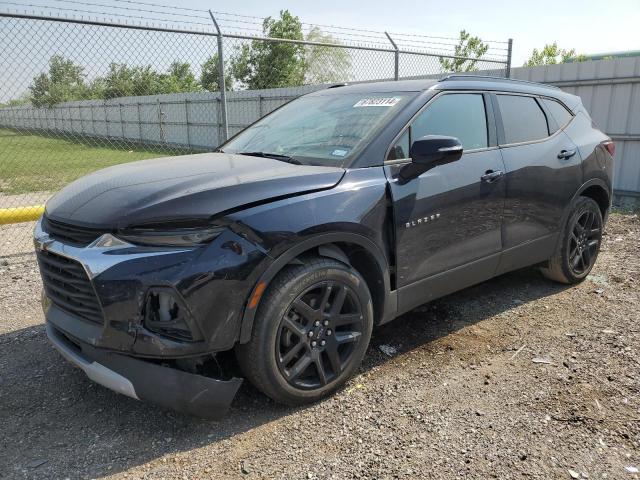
pixel 597 190
pixel 353 249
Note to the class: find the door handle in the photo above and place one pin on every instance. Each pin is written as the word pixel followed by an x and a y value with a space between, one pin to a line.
pixel 565 154
pixel 491 176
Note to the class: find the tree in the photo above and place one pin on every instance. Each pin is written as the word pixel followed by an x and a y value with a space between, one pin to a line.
pixel 179 79
pixel 470 49
pixel 209 78
pixel 263 64
pixel 125 81
pixel 324 64
pixel 63 82
pixel 551 55
pixel 24 99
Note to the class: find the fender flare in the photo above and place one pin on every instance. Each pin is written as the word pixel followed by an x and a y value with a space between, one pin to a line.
pixel 590 183
pixel 274 268
pixel 598 182
pixel 567 211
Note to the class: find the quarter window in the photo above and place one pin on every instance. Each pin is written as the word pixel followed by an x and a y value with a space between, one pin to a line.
pixel 522 118
pixel 401 148
pixel 559 113
pixel 460 115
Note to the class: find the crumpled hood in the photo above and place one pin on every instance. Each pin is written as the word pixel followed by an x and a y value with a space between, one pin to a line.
pixel 184 187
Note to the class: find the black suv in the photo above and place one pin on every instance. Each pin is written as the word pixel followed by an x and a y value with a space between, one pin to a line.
pixel 335 213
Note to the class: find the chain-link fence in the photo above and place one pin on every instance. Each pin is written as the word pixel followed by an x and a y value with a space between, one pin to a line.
pixel 80 94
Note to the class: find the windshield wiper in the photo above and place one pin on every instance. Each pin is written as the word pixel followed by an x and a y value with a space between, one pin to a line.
pixel 275 156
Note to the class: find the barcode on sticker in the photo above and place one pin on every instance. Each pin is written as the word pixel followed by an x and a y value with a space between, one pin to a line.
pixel 377 102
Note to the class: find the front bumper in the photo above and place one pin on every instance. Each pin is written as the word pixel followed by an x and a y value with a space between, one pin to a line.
pixel 168 387
pixel 212 283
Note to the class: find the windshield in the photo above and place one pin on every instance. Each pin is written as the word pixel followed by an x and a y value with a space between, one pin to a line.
pixel 320 130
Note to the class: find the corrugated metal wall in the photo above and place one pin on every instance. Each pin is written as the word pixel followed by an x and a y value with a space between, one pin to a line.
pixel 610 89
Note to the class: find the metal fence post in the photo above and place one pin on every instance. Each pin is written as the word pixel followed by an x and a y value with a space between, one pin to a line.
pixel 509 49
pixel 139 121
pixel 396 69
pixel 186 120
pixel 121 120
pixel 221 85
pixel 106 120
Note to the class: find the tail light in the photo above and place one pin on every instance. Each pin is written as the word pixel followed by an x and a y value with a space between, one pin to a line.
pixel 611 147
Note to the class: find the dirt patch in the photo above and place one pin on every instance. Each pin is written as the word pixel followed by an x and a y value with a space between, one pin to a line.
pixel 516 378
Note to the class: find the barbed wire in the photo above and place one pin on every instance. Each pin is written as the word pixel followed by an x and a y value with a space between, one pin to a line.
pixel 102 5
pixel 106 14
pixel 251 25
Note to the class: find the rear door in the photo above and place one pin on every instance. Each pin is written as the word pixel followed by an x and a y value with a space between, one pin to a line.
pixel 543 169
pixel 448 216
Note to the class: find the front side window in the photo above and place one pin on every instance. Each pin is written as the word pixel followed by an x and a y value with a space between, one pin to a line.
pixel 460 115
pixel 326 129
pixel 522 118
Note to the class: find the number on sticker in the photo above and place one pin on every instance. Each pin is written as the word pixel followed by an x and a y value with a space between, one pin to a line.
pixel 377 102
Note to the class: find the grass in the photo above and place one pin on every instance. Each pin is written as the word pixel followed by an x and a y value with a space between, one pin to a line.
pixel 32 162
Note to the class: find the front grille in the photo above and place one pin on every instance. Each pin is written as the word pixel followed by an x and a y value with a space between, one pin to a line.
pixel 70 234
pixel 67 285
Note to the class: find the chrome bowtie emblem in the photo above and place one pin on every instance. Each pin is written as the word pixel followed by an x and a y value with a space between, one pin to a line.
pixel 421 220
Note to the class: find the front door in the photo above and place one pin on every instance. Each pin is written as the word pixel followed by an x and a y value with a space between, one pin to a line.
pixel 451 215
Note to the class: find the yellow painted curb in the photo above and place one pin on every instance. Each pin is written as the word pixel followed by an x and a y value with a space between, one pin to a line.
pixel 20 214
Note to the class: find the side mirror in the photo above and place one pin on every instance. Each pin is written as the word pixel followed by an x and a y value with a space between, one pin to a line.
pixel 429 152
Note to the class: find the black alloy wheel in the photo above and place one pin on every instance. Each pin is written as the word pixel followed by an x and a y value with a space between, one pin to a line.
pixel 577 249
pixel 311 331
pixel 318 335
pixel 584 242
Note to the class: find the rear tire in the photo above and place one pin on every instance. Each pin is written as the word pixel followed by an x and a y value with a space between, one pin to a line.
pixel 311 332
pixel 580 244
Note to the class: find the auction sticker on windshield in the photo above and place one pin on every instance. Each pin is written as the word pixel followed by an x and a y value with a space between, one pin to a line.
pixel 377 102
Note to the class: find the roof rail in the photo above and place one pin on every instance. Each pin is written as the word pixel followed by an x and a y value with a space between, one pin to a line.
pixel 336 85
pixel 458 76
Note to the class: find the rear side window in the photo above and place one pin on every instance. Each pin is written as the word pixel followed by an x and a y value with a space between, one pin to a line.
pixel 522 118
pixel 559 113
pixel 460 115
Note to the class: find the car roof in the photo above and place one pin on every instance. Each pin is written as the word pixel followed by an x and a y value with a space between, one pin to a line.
pixel 379 87
pixel 455 82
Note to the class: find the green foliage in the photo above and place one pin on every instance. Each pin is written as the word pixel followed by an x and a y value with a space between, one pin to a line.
pixel 24 99
pixel 325 64
pixel 256 65
pixel 125 81
pixel 180 79
pixel 63 82
pixel 272 64
pixel 470 49
pixel 551 54
pixel 210 79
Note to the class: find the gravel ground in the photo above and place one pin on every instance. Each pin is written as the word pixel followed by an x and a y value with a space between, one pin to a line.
pixel 515 378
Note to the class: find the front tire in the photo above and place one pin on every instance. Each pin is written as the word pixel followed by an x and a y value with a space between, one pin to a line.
pixel 578 250
pixel 311 332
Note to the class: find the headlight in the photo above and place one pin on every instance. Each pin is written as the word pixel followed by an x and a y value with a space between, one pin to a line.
pixel 179 237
